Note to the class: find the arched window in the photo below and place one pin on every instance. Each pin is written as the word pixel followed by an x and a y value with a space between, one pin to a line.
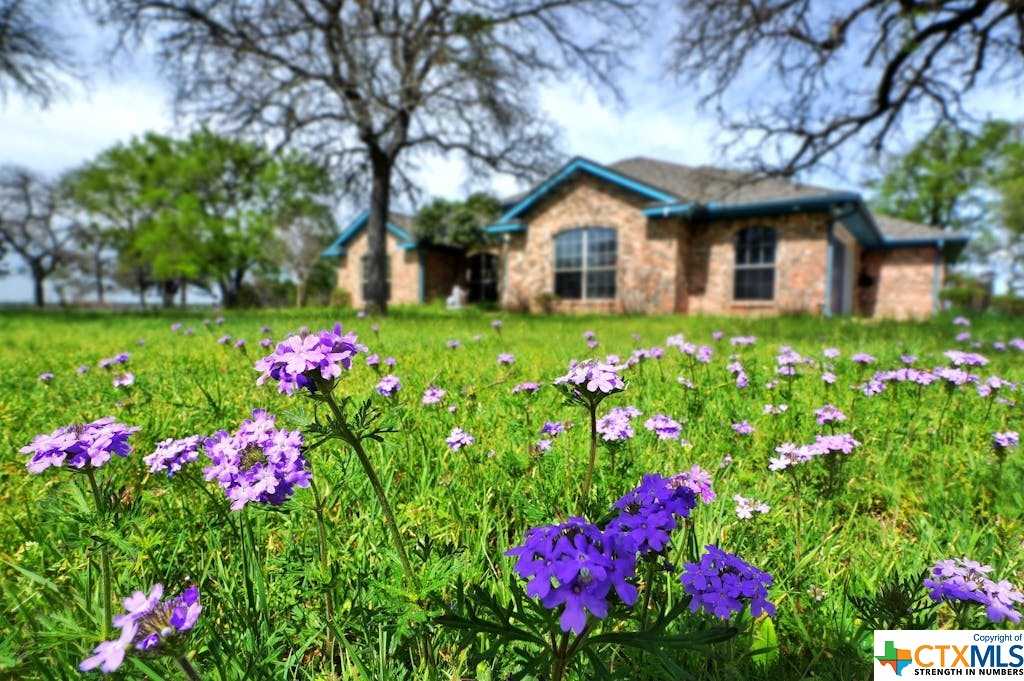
pixel 754 277
pixel 585 263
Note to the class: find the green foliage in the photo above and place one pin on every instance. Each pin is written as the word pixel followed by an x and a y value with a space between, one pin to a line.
pixel 457 223
pixel 923 486
pixel 206 209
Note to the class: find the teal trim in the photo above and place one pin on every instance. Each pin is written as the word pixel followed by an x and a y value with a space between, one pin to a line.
pixel 578 164
pixel 504 228
pixel 337 247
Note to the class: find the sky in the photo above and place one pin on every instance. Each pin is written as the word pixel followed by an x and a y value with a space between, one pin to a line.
pixel 129 97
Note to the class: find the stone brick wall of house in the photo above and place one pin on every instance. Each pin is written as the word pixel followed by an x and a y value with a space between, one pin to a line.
pixel 404 265
pixel 647 261
pixel 898 283
pixel 800 265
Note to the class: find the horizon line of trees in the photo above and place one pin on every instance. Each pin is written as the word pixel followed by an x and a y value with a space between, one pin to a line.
pixel 159 213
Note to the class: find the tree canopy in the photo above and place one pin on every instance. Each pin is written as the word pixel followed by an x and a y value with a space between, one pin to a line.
pixel 372 86
pixel 457 223
pixel 797 82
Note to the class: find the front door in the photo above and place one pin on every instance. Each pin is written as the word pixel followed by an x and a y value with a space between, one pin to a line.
pixel 483 278
pixel 838 284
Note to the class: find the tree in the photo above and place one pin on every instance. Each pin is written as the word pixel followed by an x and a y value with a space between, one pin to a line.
pixel 457 223
pixel 32 224
pixel 941 181
pixel 843 74
pixel 371 86
pixel 32 59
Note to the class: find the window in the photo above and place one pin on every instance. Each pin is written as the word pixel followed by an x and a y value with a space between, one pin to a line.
pixel 585 263
pixel 364 264
pixel 755 264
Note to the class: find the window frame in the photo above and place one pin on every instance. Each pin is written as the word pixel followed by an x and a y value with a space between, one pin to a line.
pixel 363 281
pixel 585 267
pixel 751 265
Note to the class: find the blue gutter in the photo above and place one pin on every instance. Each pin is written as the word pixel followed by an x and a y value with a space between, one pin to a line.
pixel 504 227
pixel 337 247
pixel 577 164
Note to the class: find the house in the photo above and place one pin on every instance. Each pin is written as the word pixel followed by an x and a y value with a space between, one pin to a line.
pixel 416 271
pixel 644 235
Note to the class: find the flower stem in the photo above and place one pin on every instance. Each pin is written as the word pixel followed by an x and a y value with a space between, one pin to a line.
pixel 648 589
pixel 186 667
pixel 389 516
pixel 593 452
pixel 321 531
pixel 108 613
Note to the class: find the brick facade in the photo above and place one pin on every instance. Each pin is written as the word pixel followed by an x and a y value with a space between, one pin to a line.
pixel 404 265
pixel 673 265
pixel 899 283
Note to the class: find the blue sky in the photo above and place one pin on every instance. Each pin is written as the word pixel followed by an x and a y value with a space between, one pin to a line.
pixel 659 119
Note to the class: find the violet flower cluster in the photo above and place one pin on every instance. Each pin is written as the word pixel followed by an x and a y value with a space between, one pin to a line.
pixel 148 625
pixel 258 463
pixel 791 455
pixel 961 580
pixel 591 381
pixel 617 424
pixel 698 481
pixel 723 584
pixel 665 427
pixel 458 439
pixel 300 361
pixel 576 565
pixel 388 386
pixel 171 454
pixel 79 447
pixel 647 514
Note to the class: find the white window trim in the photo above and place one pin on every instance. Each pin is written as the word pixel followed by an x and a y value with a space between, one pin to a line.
pixel 584 268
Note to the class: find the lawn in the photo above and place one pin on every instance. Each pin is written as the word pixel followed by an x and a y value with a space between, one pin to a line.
pixel 847 538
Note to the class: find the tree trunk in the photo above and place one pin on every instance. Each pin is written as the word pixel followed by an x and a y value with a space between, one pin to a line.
pixel 97 266
pixel 300 293
pixel 167 291
pixel 38 279
pixel 140 280
pixel 376 266
pixel 184 293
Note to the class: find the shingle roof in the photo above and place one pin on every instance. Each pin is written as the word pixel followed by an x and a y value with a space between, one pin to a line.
pixel 705 184
pixel 898 229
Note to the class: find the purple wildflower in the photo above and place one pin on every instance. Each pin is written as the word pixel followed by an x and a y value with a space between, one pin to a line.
pixel 775 409
pixel 829 414
pixel 82 369
pixel 698 481
pixel 240 344
pixel 124 380
pixel 863 358
pixel 79 446
pixel 496 324
pixel 647 514
pixel 388 386
pixel 390 362
pixel 616 425
pixel 170 455
pixel 575 565
pixel 591 380
pixel 306 360
pixel 459 439
pixel 258 463
pixel 723 584
pixel 224 340
pixel 664 427
pixel 506 359
pixel 965 580
pixel 373 360
pixel 175 327
pixel 148 623
pixel 46 377
pixel 743 428
pixel 971 359
pixel 553 428
pixel 743 341
pixel 961 321
pixel 432 395
pixel 830 353
pixel 1005 440
pixel 454 344
pixel 543 445
pixel 266 343
pixel 528 387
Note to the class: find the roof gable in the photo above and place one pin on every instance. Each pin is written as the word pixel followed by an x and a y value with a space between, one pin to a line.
pixel 510 220
pixel 337 247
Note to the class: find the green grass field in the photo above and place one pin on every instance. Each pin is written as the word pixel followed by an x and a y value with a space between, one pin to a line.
pixel 924 485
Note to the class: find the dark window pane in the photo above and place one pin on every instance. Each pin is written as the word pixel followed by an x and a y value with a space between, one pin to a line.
pixel 754 284
pixel 569 250
pixel 569 285
pixel 755 246
pixel 601 284
pixel 601 248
